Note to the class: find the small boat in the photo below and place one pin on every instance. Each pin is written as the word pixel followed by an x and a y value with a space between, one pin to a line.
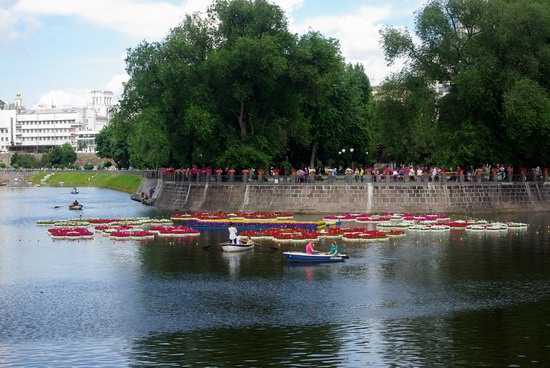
pixel 75 206
pixel 230 247
pixel 314 258
pixel 74 192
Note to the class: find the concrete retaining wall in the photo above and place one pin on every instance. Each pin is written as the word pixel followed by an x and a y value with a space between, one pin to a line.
pixel 310 198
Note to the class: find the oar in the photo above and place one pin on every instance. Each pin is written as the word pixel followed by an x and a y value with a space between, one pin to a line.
pixel 273 248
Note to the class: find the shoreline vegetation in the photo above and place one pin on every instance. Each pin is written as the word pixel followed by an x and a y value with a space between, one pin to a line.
pixel 128 183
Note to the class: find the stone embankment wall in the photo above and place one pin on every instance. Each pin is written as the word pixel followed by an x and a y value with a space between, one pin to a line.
pixel 14 178
pixel 311 198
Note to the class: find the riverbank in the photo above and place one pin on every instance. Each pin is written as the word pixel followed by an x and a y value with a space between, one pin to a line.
pixel 123 182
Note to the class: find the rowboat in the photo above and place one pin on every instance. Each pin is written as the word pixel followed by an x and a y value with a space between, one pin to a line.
pixel 74 192
pixel 230 247
pixel 75 206
pixel 314 258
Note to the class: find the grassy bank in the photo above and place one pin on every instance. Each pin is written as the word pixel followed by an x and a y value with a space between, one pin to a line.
pixel 128 183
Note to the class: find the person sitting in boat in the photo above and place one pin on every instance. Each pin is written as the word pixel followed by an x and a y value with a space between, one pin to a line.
pixel 310 249
pixel 75 190
pixel 75 203
pixel 333 249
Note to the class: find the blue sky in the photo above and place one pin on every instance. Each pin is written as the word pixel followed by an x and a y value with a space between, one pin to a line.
pixel 57 51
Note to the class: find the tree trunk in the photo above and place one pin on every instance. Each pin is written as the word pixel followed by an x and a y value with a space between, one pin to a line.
pixel 242 122
pixel 313 154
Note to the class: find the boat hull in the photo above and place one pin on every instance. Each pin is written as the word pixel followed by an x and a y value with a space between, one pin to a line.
pixel 228 247
pixel 77 207
pixel 313 258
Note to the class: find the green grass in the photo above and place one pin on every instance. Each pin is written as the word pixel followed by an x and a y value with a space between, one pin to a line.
pixel 128 183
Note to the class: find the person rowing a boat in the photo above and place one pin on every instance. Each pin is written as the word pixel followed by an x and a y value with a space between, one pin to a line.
pixel 310 249
pixel 75 203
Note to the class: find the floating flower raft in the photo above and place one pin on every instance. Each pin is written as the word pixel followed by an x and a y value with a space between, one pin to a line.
pixel 70 233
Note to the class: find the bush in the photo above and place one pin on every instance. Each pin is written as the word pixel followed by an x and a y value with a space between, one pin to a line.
pixel 25 160
pixel 2 165
pixel 88 166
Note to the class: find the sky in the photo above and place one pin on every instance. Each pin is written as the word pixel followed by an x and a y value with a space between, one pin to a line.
pixel 56 51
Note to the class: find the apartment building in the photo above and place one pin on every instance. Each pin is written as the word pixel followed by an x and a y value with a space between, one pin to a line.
pixel 41 129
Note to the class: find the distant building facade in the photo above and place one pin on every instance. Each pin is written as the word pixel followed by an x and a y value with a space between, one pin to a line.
pixel 39 130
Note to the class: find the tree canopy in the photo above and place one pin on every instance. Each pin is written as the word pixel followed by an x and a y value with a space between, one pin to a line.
pixel 233 87
pixel 492 59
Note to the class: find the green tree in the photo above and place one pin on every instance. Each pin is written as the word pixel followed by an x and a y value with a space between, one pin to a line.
pixel 236 77
pixel 25 160
pixel 59 156
pixel 486 53
pixel 112 143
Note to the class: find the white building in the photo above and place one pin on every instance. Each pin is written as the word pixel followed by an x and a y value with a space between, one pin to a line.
pixel 44 128
pixel 7 127
pixel 39 130
pixel 95 117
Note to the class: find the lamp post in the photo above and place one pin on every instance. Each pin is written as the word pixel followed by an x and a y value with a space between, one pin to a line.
pixel 347 158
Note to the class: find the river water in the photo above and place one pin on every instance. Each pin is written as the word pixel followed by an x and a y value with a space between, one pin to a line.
pixel 445 300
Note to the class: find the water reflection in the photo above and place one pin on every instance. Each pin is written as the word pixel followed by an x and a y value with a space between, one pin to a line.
pixel 311 346
pixel 447 299
pixel 233 260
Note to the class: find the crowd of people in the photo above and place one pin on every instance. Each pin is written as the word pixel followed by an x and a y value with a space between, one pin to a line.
pixel 362 173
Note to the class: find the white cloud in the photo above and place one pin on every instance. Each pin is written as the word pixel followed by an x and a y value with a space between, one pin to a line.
pixel 289 5
pixel 14 27
pixel 151 20
pixel 358 34
pixel 115 85
pixel 59 99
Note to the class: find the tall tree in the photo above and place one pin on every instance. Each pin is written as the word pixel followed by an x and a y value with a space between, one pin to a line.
pixel 485 52
pixel 236 77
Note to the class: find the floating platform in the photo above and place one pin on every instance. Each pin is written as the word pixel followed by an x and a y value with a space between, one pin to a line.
pixel 263 224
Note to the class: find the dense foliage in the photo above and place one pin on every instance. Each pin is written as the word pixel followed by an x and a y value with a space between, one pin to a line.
pixel 24 160
pixel 59 156
pixel 493 57
pixel 233 87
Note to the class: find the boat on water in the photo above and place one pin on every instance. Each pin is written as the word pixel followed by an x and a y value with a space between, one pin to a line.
pixel 230 247
pixel 75 206
pixel 314 258
pixel 74 192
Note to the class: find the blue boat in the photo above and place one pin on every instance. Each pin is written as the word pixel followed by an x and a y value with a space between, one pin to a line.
pixel 314 258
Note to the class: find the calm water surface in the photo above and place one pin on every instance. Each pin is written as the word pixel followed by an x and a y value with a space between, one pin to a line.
pixel 445 300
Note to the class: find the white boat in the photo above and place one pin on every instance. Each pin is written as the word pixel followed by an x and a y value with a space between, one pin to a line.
pixel 230 247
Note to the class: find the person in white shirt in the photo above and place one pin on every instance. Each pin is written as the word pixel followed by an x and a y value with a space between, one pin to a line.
pixel 232 233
